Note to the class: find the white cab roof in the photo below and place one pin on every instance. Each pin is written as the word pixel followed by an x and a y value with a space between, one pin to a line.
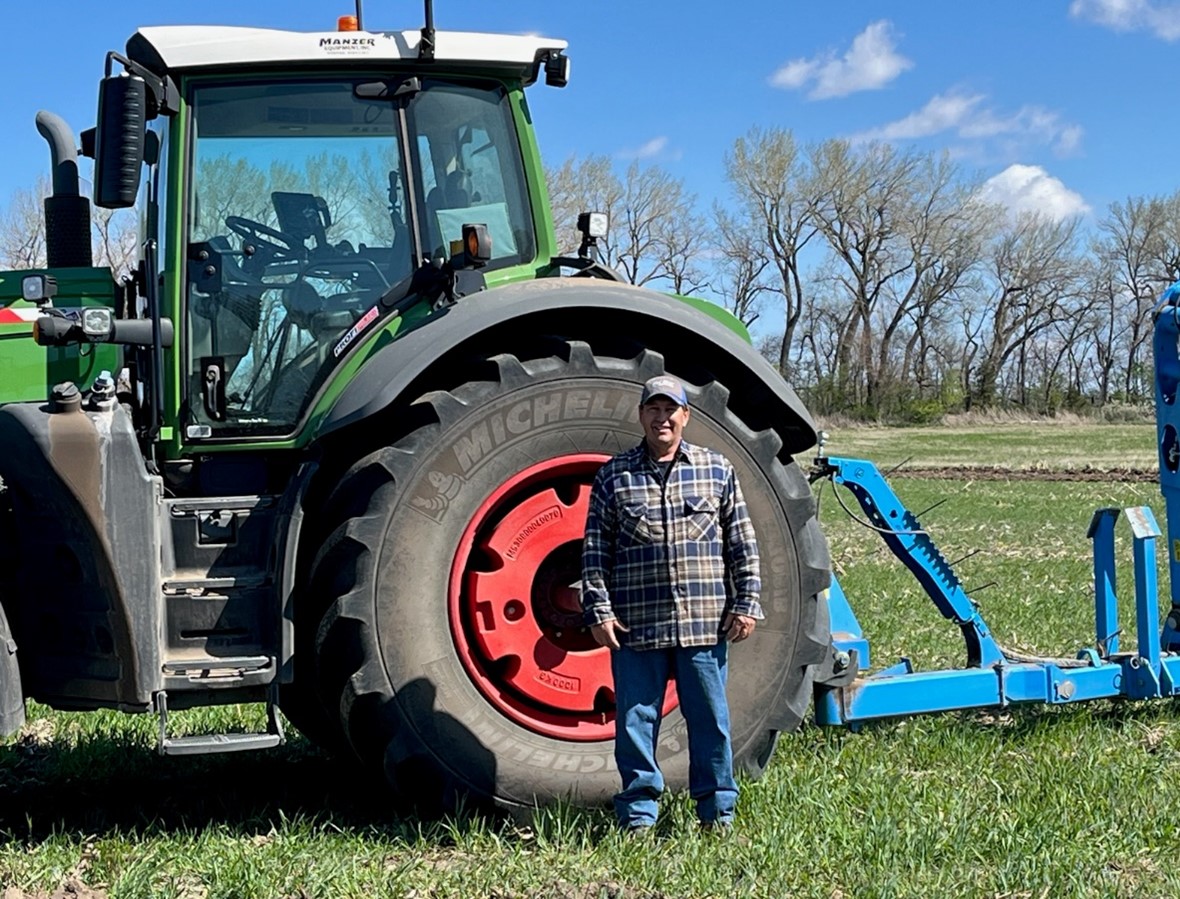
pixel 200 46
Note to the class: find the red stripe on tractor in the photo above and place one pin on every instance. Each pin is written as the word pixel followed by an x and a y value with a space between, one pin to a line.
pixel 18 316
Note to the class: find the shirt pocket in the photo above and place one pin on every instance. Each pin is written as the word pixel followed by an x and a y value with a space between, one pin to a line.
pixel 701 518
pixel 634 529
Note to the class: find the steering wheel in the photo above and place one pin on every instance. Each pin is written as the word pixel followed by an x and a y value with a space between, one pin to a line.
pixel 279 247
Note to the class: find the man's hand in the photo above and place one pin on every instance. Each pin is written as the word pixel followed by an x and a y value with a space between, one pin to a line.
pixel 737 627
pixel 605 633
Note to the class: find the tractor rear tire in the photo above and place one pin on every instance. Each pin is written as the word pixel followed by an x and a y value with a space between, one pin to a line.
pixel 452 647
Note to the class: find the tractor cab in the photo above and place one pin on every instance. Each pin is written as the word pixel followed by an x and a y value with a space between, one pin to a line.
pixel 311 199
pixel 300 192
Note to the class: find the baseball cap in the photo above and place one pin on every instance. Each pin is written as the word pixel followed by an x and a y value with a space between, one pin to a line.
pixel 664 385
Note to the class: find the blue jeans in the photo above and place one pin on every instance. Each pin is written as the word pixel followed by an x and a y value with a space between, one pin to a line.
pixel 641 677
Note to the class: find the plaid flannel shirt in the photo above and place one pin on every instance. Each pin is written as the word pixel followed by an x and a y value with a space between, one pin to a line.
pixel 669 557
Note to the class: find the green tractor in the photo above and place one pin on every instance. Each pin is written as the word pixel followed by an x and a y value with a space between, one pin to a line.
pixel 329 447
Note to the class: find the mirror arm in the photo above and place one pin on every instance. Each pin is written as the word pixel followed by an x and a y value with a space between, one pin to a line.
pixel 165 94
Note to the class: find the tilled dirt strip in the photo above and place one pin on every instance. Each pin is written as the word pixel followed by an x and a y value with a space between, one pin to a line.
pixel 996 473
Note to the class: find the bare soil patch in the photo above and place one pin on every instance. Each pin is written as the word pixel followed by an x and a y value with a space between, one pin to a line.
pixel 71 889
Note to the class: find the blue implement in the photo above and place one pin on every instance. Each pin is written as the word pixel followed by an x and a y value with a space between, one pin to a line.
pixel 992 676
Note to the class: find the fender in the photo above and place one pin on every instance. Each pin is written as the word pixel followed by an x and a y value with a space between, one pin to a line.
pixel 12 701
pixel 86 584
pixel 579 308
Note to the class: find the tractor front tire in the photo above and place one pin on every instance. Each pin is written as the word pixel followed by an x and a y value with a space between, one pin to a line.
pixel 452 646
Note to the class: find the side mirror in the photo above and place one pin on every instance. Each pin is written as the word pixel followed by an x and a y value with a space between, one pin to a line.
pixel 119 140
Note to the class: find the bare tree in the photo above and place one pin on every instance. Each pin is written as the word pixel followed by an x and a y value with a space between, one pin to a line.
pixel 655 235
pixel 941 228
pixel 741 270
pixel 971 324
pixel 681 244
pixel 22 227
pixel 658 231
pixel 1125 284
pixel 860 201
pixel 813 354
pixel 116 240
pixel 1034 276
pixel 775 200
pixel 1059 363
pixel 1165 244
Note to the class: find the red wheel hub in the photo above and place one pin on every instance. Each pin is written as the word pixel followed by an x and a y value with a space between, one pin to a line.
pixel 515 604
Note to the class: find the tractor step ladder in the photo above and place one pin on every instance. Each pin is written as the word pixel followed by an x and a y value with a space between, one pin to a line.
pixel 207 744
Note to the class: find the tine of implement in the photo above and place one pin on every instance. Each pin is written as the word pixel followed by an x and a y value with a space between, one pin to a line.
pixel 906 461
pixel 980 588
pixel 932 506
pixel 973 552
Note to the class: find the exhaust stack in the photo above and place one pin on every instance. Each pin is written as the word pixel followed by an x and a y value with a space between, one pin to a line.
pixel 67 213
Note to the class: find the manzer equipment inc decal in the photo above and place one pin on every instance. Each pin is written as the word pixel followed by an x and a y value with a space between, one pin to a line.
pixel 347 45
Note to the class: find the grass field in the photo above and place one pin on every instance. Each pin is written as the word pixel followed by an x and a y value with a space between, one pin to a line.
pixel 1071 445
pixel 1029 802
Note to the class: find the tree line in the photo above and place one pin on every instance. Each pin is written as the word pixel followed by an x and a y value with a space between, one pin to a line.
pixel 876 279
pixel 883 286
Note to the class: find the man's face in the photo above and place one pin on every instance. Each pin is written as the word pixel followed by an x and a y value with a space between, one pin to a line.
pixel 663 421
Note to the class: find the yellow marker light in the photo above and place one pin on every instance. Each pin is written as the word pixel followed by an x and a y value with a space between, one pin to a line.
pixel 477 244
pixel 347 23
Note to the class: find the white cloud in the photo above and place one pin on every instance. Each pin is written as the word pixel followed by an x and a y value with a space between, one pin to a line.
pixel 1069 140
pixel 944 112
pixel 968 117
pixel 1161 19
pixel 653 148
pixel 869 64
pixel 1029 188
pixel 795 74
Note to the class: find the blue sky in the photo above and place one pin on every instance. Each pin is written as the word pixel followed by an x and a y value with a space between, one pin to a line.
pixel 1064 105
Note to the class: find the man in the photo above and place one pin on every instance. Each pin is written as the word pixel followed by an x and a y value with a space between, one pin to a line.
pixel 669 578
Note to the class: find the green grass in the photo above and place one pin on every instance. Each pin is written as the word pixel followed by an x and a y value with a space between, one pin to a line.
pixel 1029 802
pixel 1019 445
